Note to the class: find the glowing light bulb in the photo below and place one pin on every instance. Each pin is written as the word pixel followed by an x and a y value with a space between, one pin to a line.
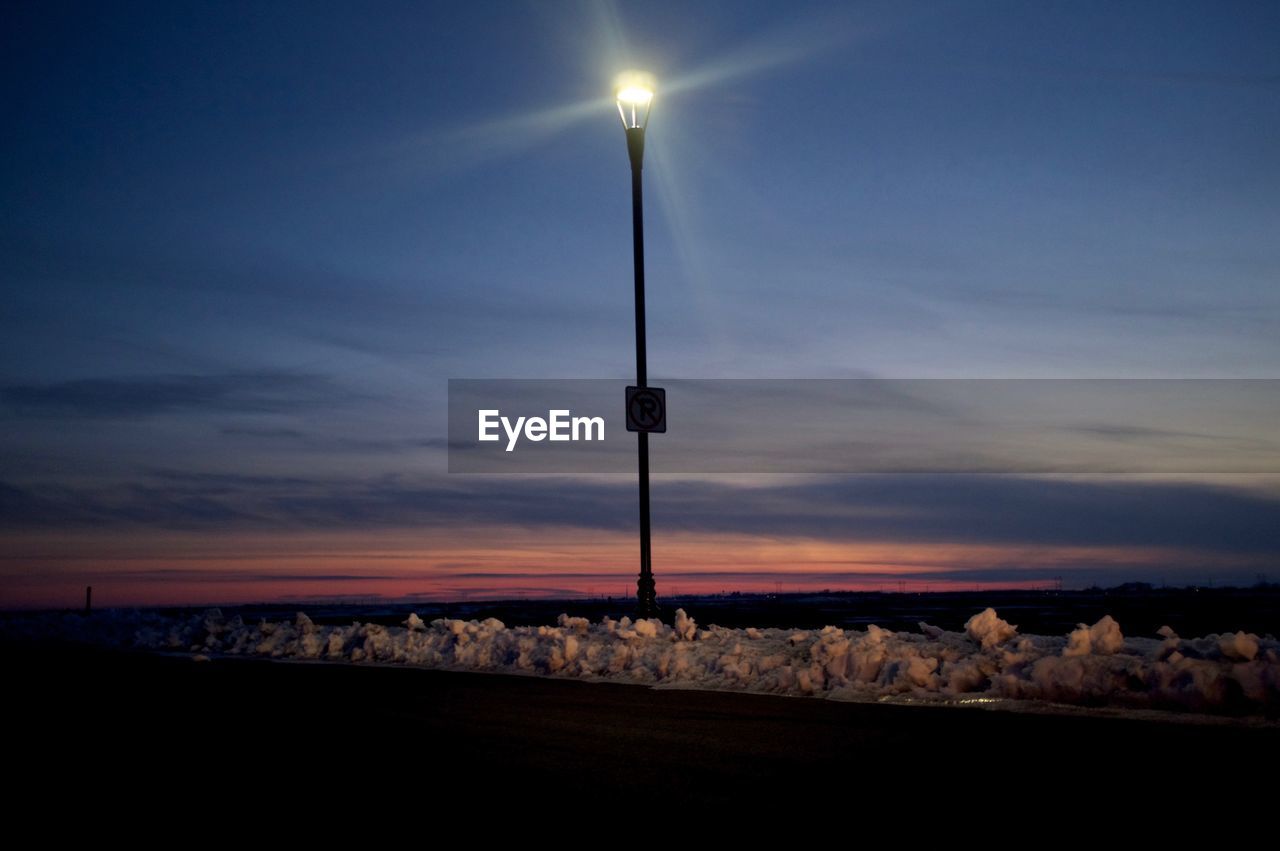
pixel 634 92
pixel 635 95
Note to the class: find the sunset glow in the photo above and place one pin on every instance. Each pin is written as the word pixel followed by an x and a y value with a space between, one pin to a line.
pixel 497 563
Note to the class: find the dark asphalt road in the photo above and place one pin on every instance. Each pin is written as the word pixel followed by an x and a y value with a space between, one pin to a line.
pixel 307 731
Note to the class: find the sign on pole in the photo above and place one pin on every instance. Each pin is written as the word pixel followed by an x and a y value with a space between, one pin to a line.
pixel 646 409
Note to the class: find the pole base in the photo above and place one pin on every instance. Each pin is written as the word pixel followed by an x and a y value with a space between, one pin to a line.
pixel 647 599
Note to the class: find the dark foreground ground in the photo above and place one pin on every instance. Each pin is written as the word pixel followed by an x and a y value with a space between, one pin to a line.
pixel 148 730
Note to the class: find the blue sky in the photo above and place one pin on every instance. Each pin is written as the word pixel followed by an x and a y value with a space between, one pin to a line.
pixel 256 239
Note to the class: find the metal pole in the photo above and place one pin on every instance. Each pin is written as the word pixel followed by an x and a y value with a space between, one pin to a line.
pixel 647 605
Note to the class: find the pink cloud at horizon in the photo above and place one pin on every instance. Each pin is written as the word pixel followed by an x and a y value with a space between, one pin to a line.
pixel 503 562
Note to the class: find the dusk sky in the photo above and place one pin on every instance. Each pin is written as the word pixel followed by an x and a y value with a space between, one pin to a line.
pixel 244 247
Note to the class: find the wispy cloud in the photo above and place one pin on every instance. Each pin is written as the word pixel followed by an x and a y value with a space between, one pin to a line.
pixel 995 510
pixel 268 433
pixel 252 392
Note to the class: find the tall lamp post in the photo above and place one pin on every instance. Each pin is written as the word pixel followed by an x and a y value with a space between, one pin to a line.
pixel 645 406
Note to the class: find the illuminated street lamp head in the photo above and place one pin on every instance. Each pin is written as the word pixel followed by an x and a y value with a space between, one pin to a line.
pixel 634 91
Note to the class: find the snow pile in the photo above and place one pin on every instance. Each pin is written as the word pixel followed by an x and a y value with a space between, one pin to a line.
pixel 1093 665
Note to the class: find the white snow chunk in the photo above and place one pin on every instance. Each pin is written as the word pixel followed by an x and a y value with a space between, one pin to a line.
pixel 648 627
pixel 1103 638
pixel 988 630
pixel 578 625
pixel 1242 646
pixel 931 631
pixel 685 627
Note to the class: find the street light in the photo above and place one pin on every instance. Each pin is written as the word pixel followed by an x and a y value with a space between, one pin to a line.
pixel 645 406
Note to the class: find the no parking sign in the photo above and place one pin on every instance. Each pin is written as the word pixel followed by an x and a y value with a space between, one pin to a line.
pixel 646 409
